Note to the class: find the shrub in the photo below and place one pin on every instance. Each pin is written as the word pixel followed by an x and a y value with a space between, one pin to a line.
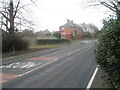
pixel 87 35
pixel 13 42
pixel 57 35
pixel 51 41
pixel 108 52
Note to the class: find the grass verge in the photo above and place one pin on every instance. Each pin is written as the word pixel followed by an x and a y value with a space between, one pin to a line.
pixel 35 47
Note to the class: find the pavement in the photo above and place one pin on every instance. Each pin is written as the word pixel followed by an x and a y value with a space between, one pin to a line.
pixel 69 66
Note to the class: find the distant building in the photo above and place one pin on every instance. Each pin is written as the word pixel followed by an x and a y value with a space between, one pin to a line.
pixel 43 33
pixel 71 30
pixel 89 28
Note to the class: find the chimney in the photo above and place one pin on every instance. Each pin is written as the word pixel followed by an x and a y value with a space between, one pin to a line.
pixel 72 21
pixel 68 21
pixel 11 0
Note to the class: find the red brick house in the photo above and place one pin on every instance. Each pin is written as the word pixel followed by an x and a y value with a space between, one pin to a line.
pixel 71 30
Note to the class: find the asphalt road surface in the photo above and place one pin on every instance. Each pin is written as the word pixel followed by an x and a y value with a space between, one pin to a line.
pixel 66 67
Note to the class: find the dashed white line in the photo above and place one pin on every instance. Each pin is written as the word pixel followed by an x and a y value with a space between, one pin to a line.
pixel 92 78
pixel 78 50
pixel 69 54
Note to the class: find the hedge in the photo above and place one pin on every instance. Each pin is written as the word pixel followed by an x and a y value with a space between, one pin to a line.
pixel 13 42
pixel 51 41
pixel 108 52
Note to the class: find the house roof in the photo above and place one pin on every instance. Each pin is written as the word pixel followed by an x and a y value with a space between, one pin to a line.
pixel 71 24
pixel 46 31
pixel 77 26
pixel 87 27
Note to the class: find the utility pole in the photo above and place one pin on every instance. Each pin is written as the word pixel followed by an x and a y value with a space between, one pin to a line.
pixel 11 18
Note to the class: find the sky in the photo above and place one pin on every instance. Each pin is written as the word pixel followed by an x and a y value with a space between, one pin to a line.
pixel 50 14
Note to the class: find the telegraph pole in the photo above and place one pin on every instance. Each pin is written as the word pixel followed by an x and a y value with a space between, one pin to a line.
pixel 11 18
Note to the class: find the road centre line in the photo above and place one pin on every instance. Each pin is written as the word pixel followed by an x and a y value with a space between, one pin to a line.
pixel 69 54
pixel 78 50
pixel 37 68
pixel 92 78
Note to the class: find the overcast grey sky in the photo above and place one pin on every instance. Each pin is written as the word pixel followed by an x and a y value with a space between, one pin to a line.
pixel 51 14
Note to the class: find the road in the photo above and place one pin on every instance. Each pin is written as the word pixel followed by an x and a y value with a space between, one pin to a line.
pixel 65 67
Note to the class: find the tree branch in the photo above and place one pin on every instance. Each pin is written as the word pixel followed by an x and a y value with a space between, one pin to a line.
pixel 5 25
pixel 16 9
pixel 5 16
pixel 23 6
pixel 115 6
pixel 108 6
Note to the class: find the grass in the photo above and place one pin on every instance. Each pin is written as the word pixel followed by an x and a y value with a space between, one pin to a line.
pixel 42 46
pixel 35 47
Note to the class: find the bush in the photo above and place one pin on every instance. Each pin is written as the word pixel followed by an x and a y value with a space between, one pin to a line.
pixel 13 43
pixel 108 52
pixel 87 35
pixel 57 35
pixel 51 41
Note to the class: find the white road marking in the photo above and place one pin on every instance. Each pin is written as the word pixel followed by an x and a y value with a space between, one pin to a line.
pixel 56 59
pixel 20 65
pixel 8 58
pixel 69 54
pixel 78 50
pixel 46 63
pixel 92 78
pixel 37 68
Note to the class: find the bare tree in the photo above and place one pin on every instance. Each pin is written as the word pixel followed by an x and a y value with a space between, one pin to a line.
pixel 10 11
pixel 113 5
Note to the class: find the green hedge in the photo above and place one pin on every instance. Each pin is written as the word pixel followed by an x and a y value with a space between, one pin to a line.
pixel 13 43
pixel 108 52
pixel 51 41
